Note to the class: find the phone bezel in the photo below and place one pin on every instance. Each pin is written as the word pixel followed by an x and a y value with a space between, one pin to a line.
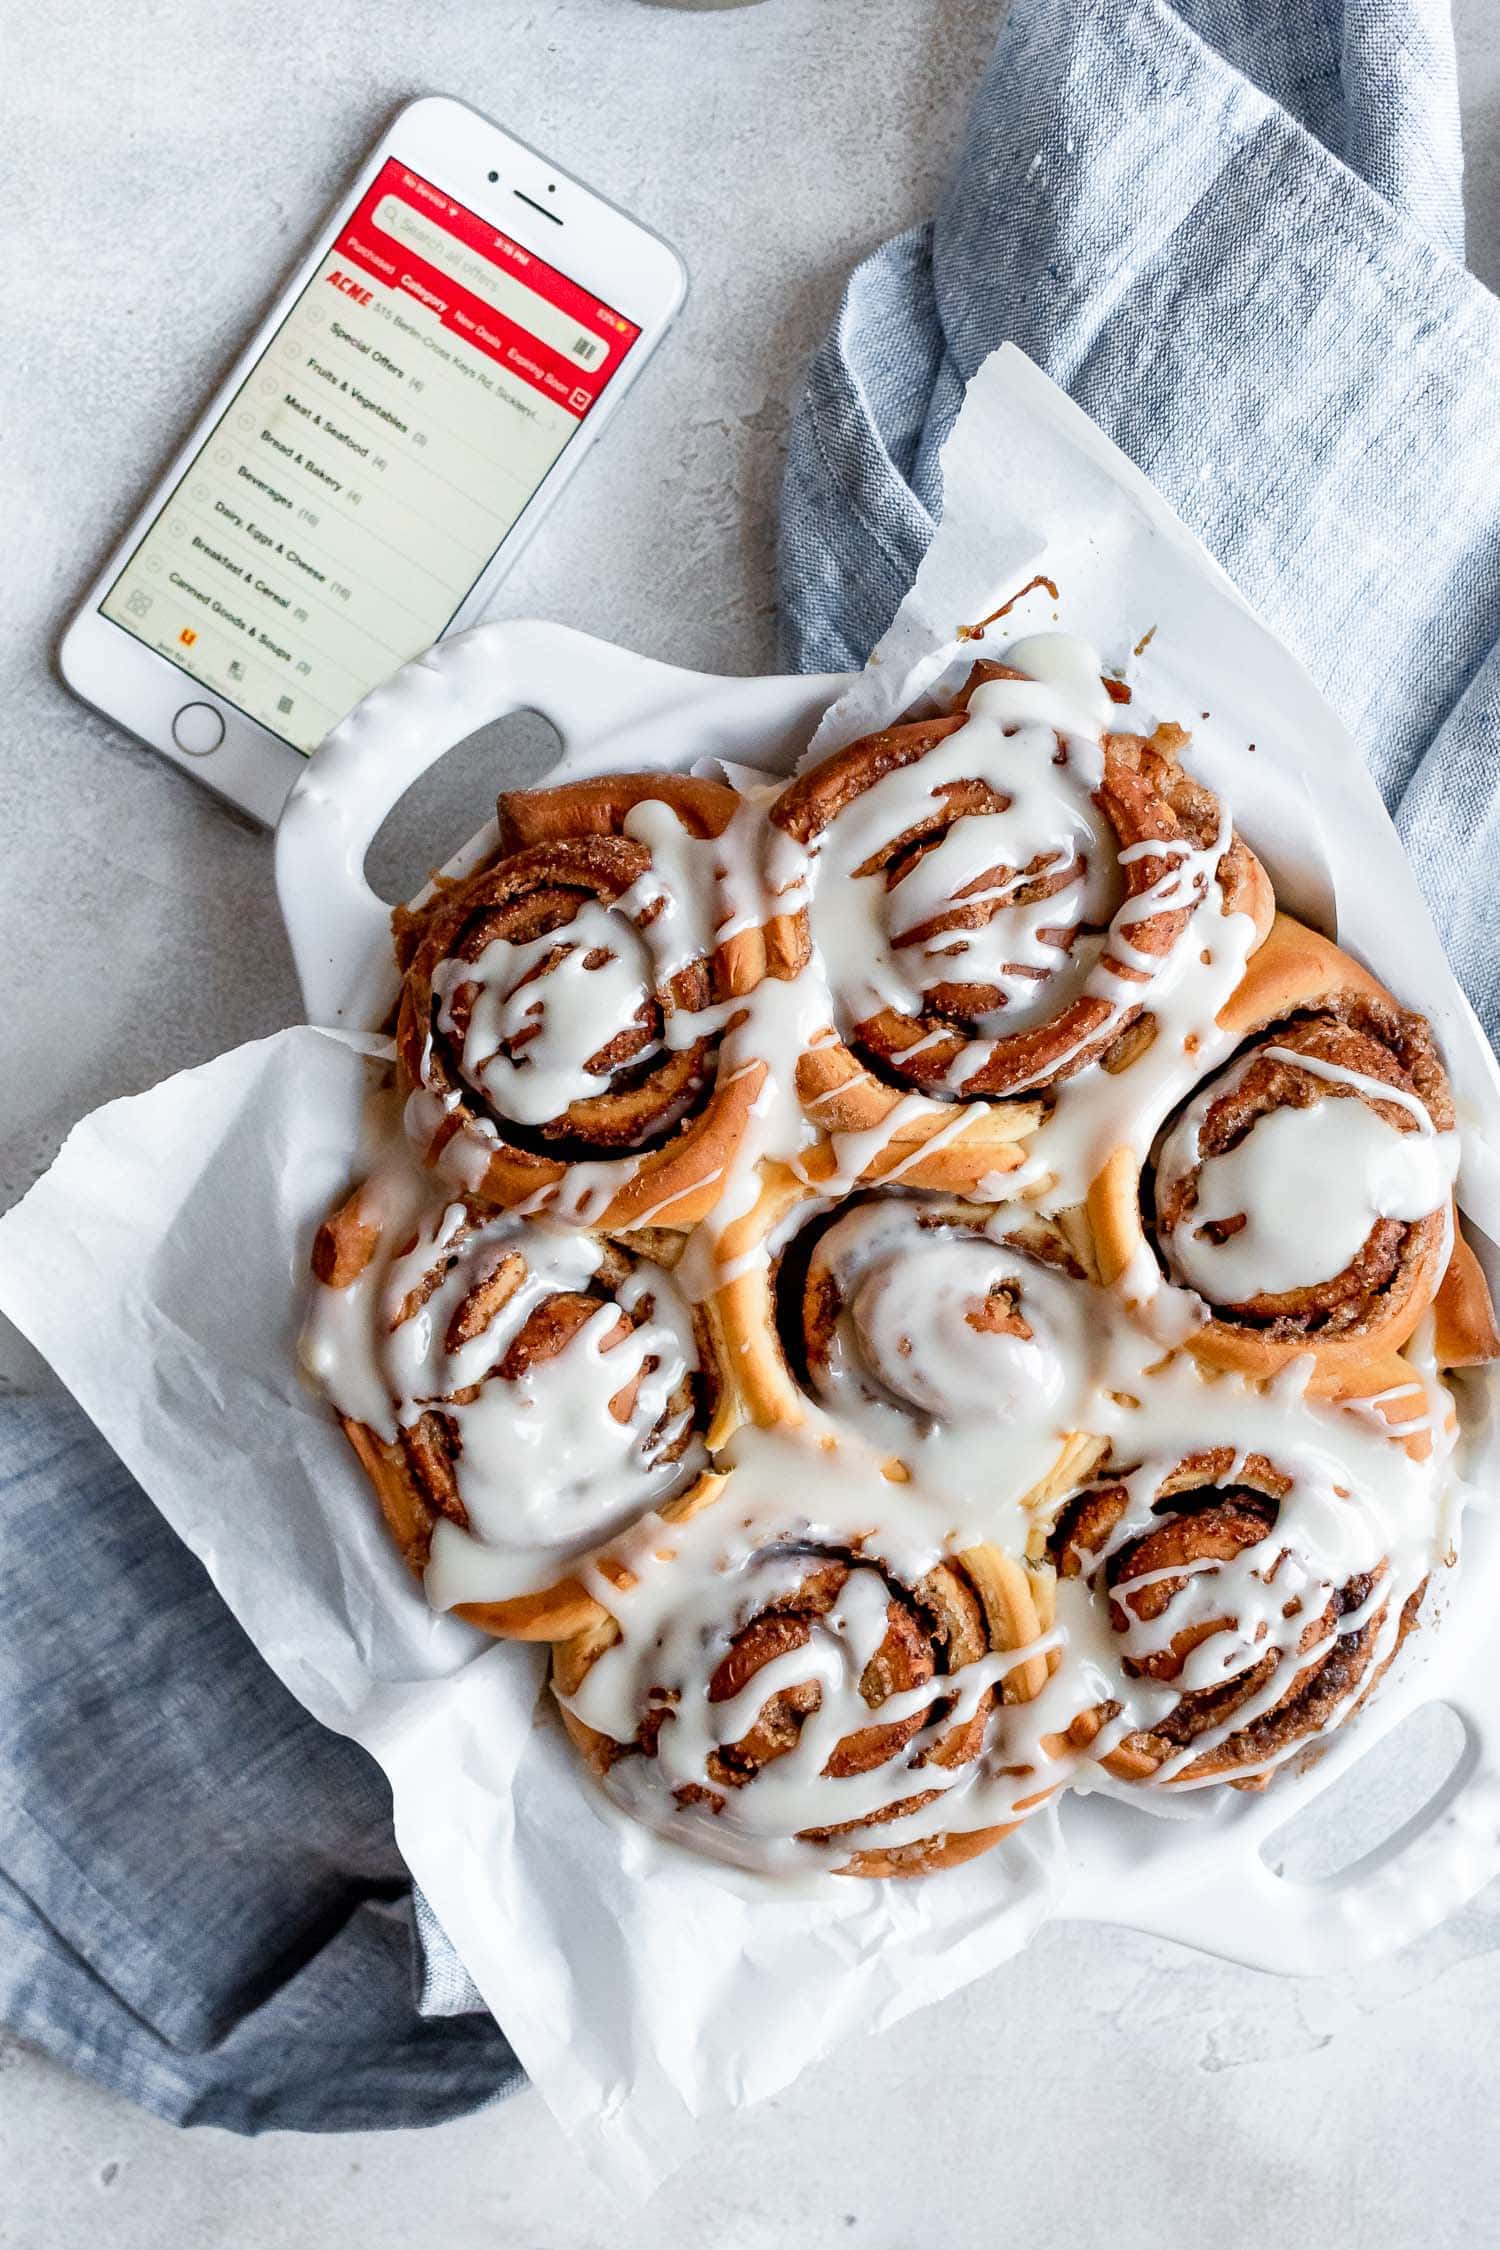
pixel 598 245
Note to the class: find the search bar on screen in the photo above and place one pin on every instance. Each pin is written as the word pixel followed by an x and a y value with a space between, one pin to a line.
pixel 490 281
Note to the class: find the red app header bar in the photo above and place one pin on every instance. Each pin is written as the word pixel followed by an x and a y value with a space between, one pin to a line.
pixel 581 340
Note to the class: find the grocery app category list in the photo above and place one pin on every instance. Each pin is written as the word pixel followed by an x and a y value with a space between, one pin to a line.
pixel 370 465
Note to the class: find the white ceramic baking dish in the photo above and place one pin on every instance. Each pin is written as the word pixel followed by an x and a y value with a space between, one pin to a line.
pixel 1208 1878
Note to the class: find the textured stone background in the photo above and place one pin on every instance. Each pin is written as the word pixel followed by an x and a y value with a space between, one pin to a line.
pixel 1105 2087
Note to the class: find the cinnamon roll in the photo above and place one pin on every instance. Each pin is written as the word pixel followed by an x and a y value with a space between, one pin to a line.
pixel 992 896
pixel 1241 1610
pixel 1302 1201
pixel 515 1390
pixel 562 1007
pixel 782 1695
pixel 953 1339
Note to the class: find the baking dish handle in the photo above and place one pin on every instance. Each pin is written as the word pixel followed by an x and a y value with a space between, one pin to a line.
pixel 1233 1904
pixel 338 926
pixel 608 705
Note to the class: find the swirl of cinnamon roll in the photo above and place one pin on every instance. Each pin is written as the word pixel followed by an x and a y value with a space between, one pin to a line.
pixel 992 896
pixel 784 1699
pixel 1240 1610
pixel 561 1006
pixel 922 1305
pixel 957 1341
pixel 1303 1199
pixel 516 1391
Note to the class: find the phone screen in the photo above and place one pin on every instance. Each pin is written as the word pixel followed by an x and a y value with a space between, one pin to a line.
pixel 372 461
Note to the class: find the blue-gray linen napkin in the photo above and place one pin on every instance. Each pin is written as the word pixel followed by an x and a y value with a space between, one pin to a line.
pixel 1232 229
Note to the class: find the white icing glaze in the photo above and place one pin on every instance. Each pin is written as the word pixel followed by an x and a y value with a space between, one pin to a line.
pixel 541 1009
pixel 548 1460
pixel 1096 1111
pixel 696 1585
pixel 857 967
pixel 1066 662
pixel 969 1412
pixel 920 1322
pixel 1358 1504
pixel 870 940
pixel 1185 988
pixel 1036 744
pixel 1308 1183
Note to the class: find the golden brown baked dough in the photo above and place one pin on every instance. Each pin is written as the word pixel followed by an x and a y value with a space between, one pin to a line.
pixel 660 1111
pixel 959 1611
pixel 855 1081
pixel 1211 1512
pixel 417 1473
pixel 1302 997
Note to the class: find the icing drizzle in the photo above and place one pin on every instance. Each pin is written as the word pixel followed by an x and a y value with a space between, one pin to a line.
pixel 1304 1186
pixel 559 1434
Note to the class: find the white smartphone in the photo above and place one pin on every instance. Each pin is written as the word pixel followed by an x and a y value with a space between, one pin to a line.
pixel 389 439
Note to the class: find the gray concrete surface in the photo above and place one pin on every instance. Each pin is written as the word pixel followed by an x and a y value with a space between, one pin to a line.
pixel 1105 2087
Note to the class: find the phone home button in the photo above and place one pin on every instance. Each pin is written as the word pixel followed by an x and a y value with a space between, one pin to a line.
pixel 198 729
